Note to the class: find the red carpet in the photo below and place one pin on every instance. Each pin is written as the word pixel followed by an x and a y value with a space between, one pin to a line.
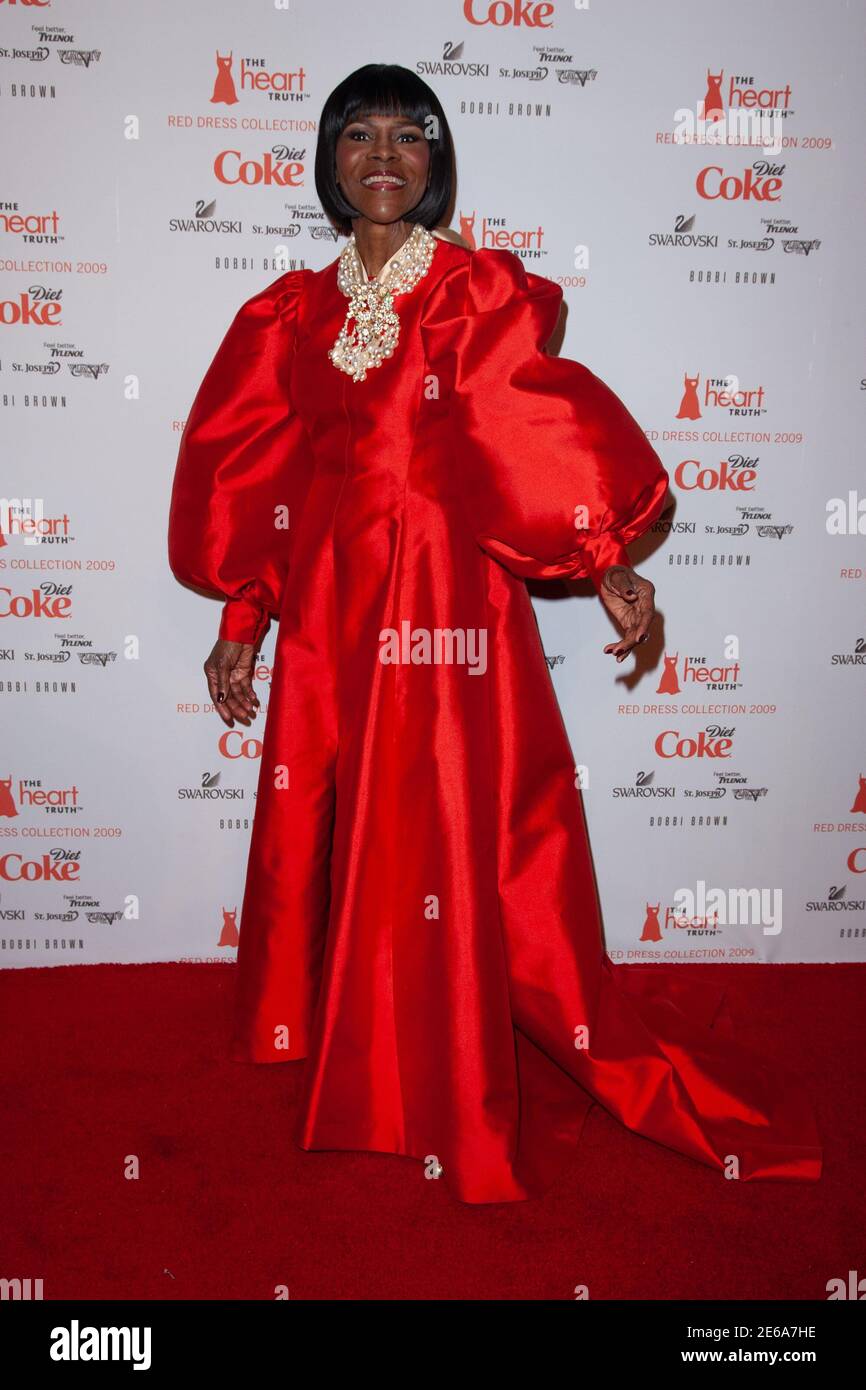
pixel 103 1062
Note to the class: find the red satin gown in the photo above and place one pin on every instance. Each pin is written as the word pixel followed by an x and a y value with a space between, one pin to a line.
pixel 420 916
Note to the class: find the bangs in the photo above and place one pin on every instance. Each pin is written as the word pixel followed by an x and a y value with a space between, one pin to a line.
pixel 384 91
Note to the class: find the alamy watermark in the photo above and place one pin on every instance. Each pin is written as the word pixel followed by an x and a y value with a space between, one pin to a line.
pixel 434 646
pixel 749 907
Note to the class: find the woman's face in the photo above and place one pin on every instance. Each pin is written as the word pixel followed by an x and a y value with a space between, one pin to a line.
pixel 382 166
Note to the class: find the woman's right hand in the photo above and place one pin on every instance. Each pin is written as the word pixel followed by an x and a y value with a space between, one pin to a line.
pixel 229 671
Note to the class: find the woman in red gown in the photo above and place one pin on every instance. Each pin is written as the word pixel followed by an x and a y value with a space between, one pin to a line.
pixel 380 454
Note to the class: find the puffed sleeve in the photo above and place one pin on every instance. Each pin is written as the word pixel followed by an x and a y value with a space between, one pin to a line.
pixel 556 474
pixel 243 467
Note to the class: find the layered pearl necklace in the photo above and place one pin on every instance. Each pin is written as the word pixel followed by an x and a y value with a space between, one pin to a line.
pixel 371 302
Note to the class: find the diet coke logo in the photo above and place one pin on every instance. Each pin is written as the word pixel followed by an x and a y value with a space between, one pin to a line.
pixel 38 305
pixel 712 742
pixel 59 865
pixel 691 475
pixel 281 167
pixel 532 14
pixel 50 600
pixel 760 184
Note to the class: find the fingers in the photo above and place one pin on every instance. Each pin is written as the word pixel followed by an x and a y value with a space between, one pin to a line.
pixel 626 645
pixel 230 686
pixel 243 686
pixel 219 683
pixel 636 621
pixel 622 582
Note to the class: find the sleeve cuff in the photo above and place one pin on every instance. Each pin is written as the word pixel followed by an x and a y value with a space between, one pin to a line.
pixel 600 552
pixel 243 621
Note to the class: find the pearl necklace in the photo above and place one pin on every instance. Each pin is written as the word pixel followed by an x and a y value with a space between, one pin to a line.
pixel 371 302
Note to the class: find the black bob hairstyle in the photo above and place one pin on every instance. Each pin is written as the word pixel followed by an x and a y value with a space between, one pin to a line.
pixel 385 89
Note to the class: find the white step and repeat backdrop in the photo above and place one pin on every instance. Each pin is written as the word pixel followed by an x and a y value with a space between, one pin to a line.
pixel 691 176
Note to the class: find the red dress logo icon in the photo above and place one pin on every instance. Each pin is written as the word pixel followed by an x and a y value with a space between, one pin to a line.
pixel 467 232
pixel 690 406
pixel 651 929
pixel 229 933
pixel 859 800
pixel 224 87
pixel 7 801
pixel 669 683
pixel 712 108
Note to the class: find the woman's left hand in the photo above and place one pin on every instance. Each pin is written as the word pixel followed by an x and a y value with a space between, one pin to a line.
pixel 629 600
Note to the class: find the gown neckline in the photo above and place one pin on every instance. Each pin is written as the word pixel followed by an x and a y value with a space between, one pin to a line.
pixel 433 231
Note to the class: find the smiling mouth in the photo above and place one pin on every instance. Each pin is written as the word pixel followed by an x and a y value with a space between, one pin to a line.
pixel 383 181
